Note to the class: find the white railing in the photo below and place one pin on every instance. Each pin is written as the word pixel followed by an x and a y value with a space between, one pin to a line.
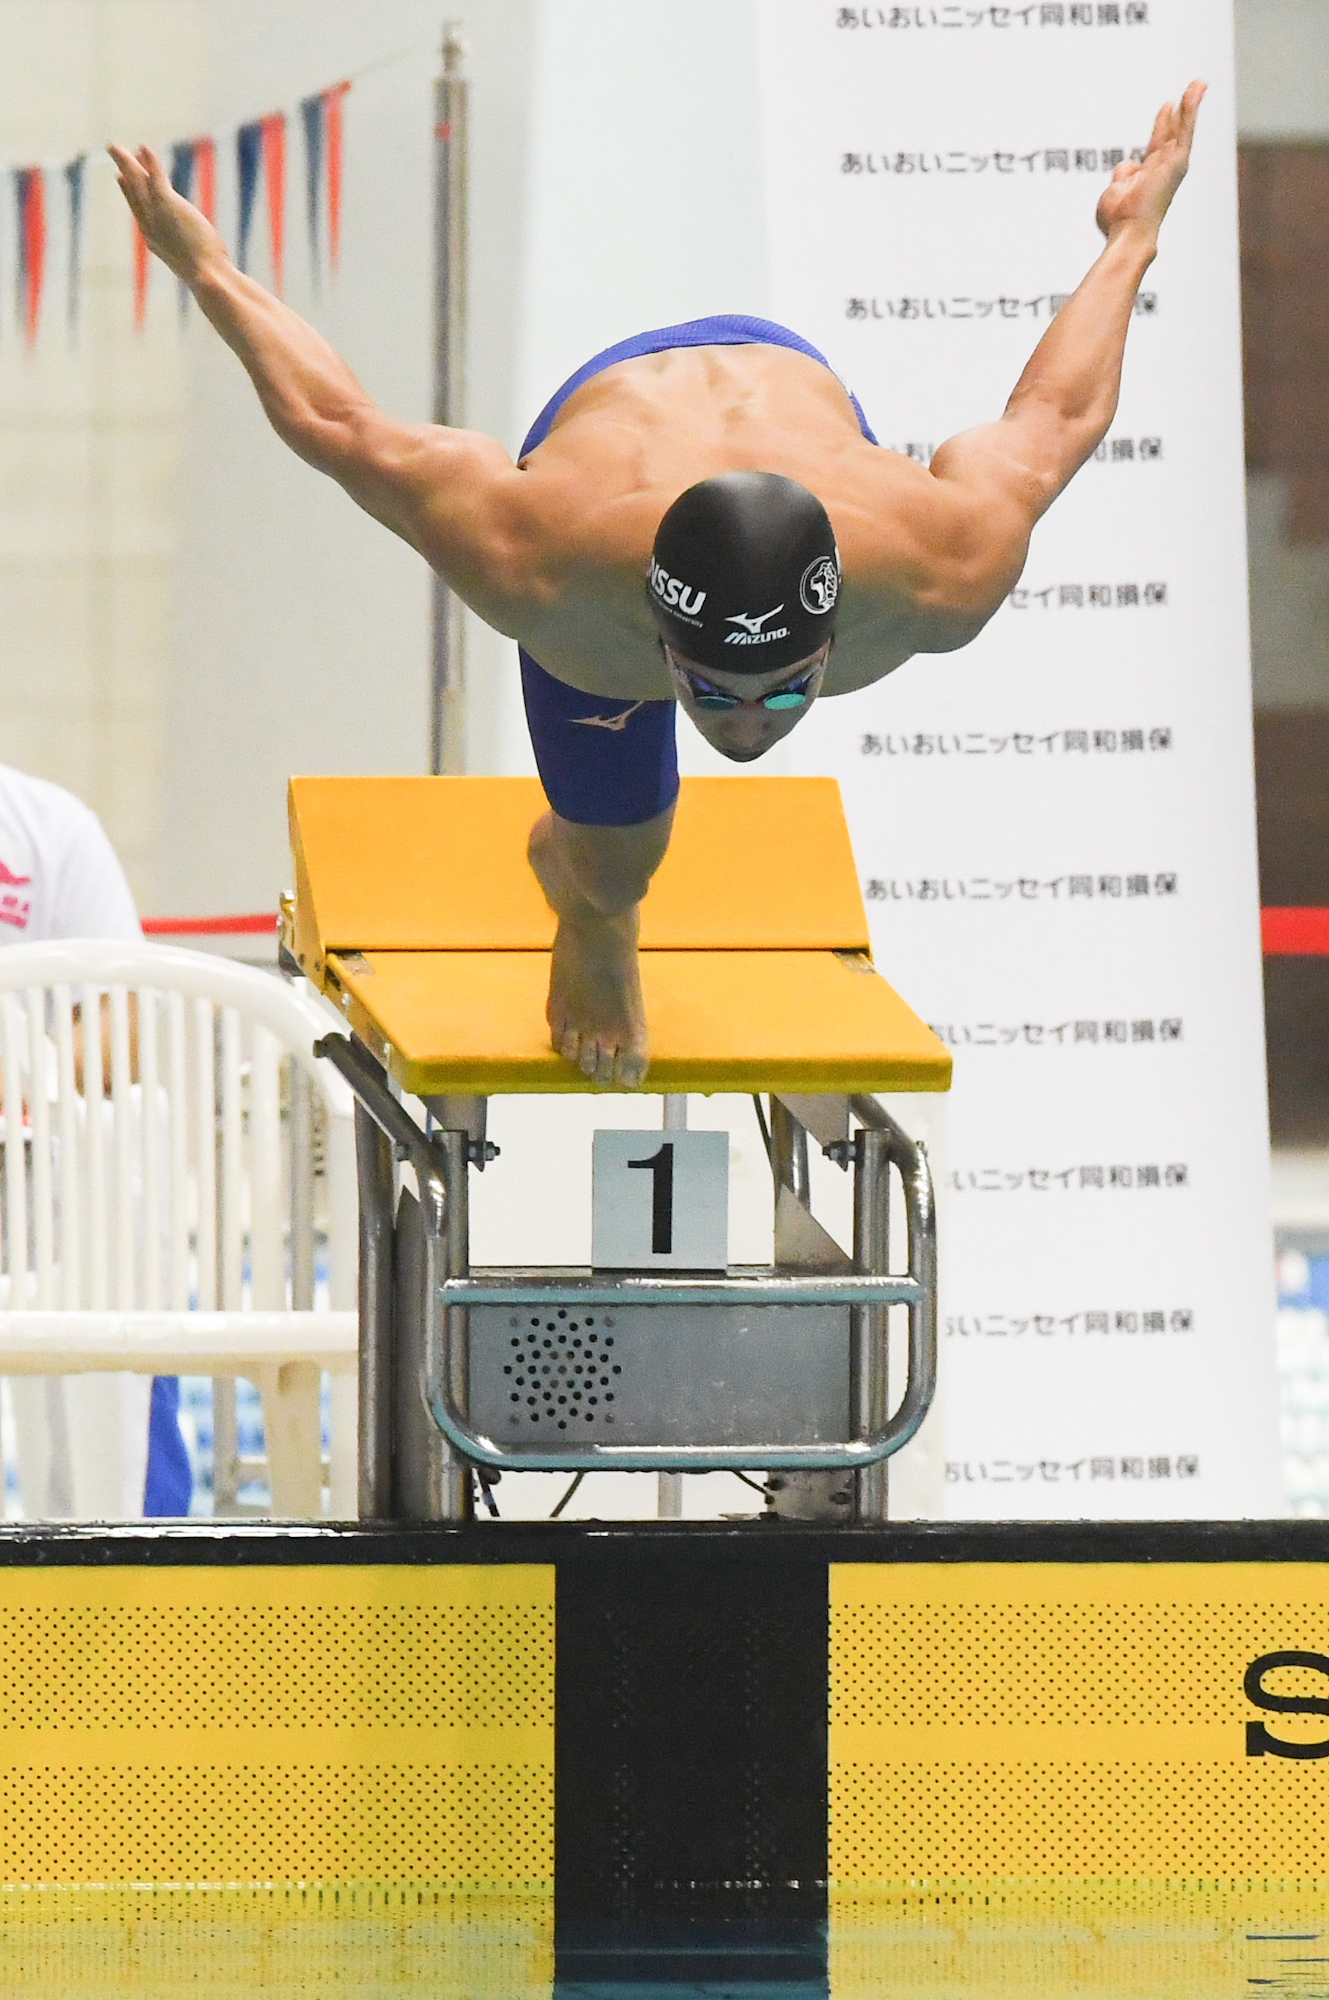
pixel 164 1225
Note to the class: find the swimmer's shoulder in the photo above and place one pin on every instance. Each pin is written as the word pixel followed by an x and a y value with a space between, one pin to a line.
pixel 921 564
pixel 507 541
pixel 562 570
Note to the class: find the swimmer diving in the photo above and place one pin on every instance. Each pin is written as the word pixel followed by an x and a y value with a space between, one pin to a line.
pixel 700 519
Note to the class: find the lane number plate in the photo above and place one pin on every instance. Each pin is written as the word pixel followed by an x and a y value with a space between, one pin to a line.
pixel 660 1201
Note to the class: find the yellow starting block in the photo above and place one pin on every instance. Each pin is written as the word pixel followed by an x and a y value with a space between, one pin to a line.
pixel 416 912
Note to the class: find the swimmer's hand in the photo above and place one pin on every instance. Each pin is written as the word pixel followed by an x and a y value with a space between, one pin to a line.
pixel 1140 192
pixel 172 227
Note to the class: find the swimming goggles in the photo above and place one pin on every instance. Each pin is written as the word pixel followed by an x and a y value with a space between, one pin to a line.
pixel 794 694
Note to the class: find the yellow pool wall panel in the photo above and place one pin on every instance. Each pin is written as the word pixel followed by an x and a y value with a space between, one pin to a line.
pixel 284 1724
pixel 1071 1723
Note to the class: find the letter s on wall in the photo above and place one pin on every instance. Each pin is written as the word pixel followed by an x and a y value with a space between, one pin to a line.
pixel 1259 1742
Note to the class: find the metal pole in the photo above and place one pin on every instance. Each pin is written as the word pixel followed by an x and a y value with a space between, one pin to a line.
pixel 669 1485
pixel 455 1496
pixel 374 1168
pixel 789 1166
pixel 869 1325
pixel 801 1244
pixel 447 714
pixel 417 1449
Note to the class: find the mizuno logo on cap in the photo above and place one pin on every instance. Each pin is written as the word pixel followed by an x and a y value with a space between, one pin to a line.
pixel 752 634
pixel 752 621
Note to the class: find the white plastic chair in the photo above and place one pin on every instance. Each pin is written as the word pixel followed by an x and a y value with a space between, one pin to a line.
pixel 168 1227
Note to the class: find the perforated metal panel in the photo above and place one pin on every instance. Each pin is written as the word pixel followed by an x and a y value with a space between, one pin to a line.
pixel 1013 1723
pixel 647 1375
pixel 278 1725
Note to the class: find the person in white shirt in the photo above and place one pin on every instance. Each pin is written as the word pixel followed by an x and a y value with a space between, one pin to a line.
pixel 59 876
pixel 90 1446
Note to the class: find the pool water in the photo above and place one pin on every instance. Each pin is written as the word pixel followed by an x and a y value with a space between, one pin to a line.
pixel 975 1941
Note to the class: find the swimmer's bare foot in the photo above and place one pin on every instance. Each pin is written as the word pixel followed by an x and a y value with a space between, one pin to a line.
pixel 596 1015
pixel 594 878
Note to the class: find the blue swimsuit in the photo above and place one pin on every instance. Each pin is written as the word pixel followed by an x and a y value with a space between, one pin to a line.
pixel 604 762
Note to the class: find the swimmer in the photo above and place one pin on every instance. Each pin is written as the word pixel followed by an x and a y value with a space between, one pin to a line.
pixel 700 519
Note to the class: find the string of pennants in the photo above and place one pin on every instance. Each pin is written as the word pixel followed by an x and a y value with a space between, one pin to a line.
pixel 260 165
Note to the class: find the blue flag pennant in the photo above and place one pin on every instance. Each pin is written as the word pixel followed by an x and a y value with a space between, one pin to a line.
pixel 260 155
pixel 182 168
pixel 312 114
pixel 182 180
pixel 248 160
pixel 74 171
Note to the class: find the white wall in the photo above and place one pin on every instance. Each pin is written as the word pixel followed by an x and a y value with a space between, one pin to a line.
pixel 90 429
pixel 303 626
pixel 615 186
pixel 644 209
pixel 1282 69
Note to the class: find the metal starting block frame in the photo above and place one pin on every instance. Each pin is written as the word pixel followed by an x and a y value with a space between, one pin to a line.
pixel 416 914
pixel 821 1408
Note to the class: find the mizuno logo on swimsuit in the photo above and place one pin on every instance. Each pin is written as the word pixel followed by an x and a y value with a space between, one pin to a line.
pixel 752 622
pixel 619 721
pixel 681 597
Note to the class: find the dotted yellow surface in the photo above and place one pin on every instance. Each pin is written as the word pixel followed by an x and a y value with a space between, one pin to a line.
pixel 345 1726
pixel 1070 1724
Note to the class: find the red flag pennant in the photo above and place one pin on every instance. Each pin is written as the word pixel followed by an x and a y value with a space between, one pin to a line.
pixel 140 280
pixel 32 245
pixel 273 130
pixel 332 99
pixel 205 177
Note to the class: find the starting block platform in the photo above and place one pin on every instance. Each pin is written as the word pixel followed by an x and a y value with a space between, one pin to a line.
pixel 415 912
pixel 530 1760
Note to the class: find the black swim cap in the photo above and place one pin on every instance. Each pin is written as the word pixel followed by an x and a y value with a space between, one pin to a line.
pixel 745 574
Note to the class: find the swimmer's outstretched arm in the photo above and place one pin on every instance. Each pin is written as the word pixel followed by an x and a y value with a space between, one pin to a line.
pixel 993 483
pixel 441 490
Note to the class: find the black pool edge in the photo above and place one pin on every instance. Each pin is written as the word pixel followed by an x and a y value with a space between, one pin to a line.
pixel 758 1542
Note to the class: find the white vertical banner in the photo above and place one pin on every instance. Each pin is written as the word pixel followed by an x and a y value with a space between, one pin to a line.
pixel 1055 827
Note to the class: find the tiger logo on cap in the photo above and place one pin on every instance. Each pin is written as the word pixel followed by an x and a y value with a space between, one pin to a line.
pixel 820 587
